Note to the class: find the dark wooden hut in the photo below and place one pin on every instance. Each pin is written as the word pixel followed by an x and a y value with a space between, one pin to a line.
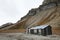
pixel 41 30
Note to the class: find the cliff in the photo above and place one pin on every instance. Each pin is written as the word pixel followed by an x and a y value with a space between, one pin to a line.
pixel 47 13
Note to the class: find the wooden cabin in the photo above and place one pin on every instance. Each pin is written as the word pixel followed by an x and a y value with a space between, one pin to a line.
pixel 40 30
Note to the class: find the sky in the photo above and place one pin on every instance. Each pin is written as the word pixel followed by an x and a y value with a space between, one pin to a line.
pixel 13 10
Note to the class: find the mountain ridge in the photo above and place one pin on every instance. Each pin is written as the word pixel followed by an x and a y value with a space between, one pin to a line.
pixel 48 13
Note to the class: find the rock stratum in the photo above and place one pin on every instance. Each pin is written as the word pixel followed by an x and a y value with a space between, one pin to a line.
pixel 47 13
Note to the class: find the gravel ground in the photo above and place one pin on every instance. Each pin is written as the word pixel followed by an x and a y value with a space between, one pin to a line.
pixel 22 36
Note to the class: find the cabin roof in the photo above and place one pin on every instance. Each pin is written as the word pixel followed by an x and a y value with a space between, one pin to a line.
pixel 40 27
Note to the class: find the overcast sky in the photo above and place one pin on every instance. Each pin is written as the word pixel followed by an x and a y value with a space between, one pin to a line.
pixel 13 10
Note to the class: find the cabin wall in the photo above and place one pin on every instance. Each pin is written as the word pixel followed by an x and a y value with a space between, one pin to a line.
pixel 43 32
pixel 49 30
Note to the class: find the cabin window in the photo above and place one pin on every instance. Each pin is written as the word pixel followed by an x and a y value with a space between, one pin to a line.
pixel 39 31
pixel 35 31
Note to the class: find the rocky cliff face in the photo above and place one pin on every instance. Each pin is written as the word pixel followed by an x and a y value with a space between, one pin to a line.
pixel 50 1
pixel 6 25
pixel 47 13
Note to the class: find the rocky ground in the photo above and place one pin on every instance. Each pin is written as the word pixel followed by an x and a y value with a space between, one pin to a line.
pixel 22 36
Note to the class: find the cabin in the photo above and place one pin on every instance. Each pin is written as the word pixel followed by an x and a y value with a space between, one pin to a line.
pixel 40 30
pixel 58 3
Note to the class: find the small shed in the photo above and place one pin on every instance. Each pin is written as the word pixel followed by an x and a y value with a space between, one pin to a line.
pixel 41 30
